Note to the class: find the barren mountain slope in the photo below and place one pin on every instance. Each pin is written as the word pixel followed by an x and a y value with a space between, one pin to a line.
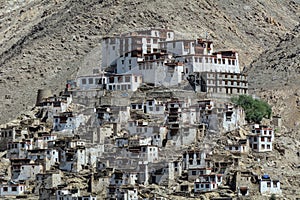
pixel 274 76
pixel 279 65
pixel 44 42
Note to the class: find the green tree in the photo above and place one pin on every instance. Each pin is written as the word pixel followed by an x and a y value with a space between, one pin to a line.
pixel 255 109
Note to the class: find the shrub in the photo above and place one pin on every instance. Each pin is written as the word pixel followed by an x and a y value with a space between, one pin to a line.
pixel 255 109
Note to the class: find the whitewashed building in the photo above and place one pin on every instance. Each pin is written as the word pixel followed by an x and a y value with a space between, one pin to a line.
pixel 207 182
pixel 242 146
pixel 12 189
pixel 261 138
pixel 268 186
pixel 27 172
pixel 19 149
pixel 126 50
pixel 149 153
pixel 72 194
pixel 67 121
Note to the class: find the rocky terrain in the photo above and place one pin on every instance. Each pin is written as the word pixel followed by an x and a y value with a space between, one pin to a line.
pixel 42 43
pixel 45 42
pixel 274 76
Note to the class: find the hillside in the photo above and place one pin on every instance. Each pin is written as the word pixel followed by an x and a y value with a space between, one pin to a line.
pixel 279 65
pixel 42 43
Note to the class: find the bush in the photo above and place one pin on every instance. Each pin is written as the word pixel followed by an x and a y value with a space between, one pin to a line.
pixel 255 109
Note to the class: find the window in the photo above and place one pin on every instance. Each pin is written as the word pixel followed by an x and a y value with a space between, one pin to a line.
pixel 206 185
pixel 128 87
pixel 5 189
pixel 127 79
pixel 174 44
pixel 157 109
pixel 268 146
pixel 14 189
pixel 268 184
pixel 194 172
pixel 135 79
pixel 91 80
pixel 233 62
pixel 83 81
pixel 197 185
pixel 119 79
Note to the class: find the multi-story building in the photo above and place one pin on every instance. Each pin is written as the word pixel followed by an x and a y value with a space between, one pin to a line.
pixel 19 149
pixel 7 135
pixel 219 82
pixel 261 138
pixel 124 51
pixel 164 60
pixel 207 181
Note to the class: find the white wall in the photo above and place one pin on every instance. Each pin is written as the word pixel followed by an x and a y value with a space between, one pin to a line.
pixel 273 188
pixel 28 172
pixel 20 189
